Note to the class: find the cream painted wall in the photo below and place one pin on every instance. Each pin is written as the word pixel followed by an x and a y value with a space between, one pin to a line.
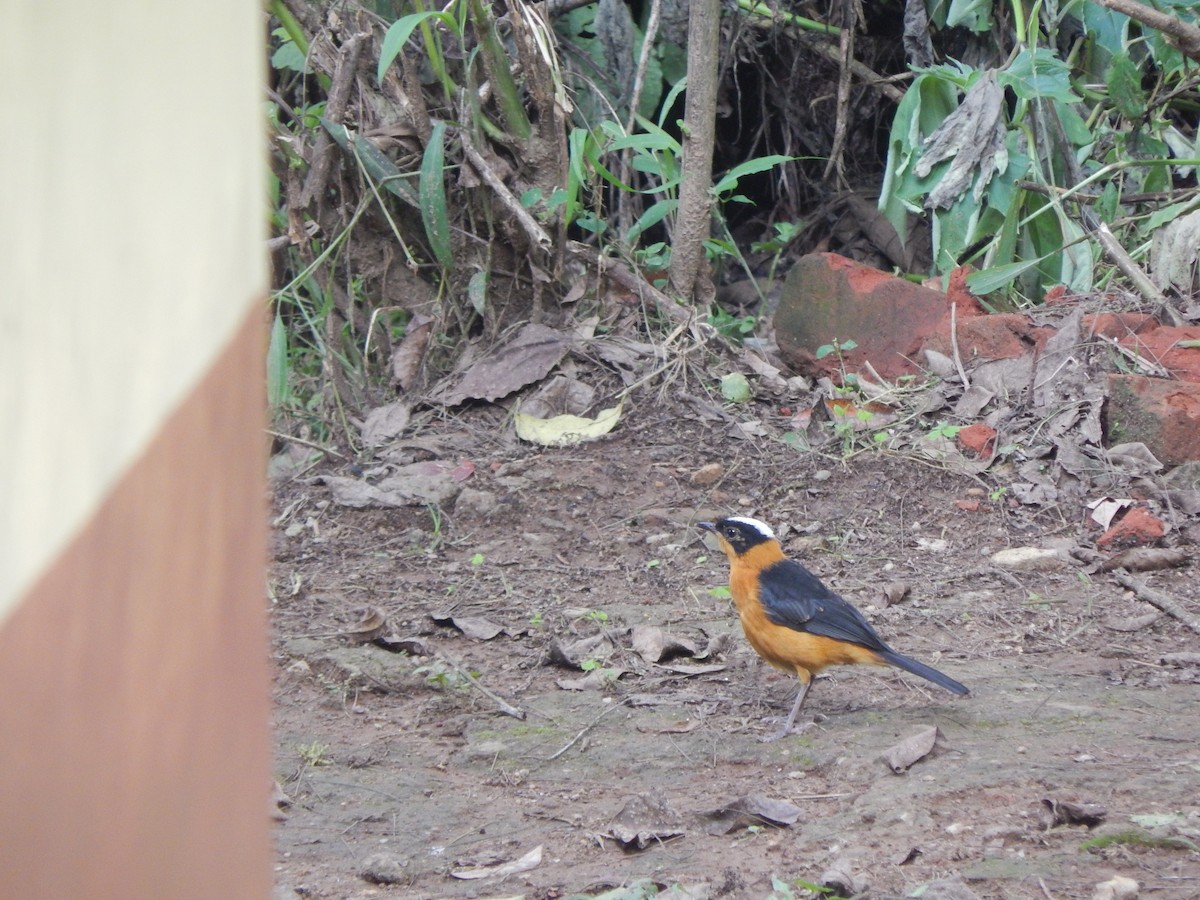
pixel 132 221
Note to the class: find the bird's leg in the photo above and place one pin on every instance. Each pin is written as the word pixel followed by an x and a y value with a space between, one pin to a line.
pixel 805 684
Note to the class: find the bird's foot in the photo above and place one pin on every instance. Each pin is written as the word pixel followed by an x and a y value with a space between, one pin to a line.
pixel 788 728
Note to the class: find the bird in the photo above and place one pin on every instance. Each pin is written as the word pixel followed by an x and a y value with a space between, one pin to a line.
pixel 793 621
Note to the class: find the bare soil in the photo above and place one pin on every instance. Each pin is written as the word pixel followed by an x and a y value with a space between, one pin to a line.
pixel 403 775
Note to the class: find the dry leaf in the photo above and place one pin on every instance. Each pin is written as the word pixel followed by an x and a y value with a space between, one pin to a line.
pixel 644 820
pixel 529 357
pixel 753 809
pixel 370 625
pixel 407 358
pixel 530 860
pixel 476 628
pixel 912 749
pixel 386 422
pixel 652 644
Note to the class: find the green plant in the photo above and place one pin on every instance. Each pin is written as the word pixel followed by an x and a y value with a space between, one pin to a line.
pixel 1016 164
pixel 314 754
pixel 736 328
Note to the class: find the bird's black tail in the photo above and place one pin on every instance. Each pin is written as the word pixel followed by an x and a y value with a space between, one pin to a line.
pixel 927 672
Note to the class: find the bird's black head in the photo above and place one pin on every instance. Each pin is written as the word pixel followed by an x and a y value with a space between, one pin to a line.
pixel 740 533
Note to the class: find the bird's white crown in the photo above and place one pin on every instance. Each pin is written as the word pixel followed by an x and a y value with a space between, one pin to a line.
pixel 761 527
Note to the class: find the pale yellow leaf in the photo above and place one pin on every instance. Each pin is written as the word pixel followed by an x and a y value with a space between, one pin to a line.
pixel 562 431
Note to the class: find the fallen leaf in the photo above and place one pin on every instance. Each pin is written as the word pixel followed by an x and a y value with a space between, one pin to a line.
pixel 899 757
pixel 529 357
pixel 530 860
pixel 386 422
pixel 564 430
pixel 753 809
pixel 1066 812
pixel 653 644
pixel 393 643
pixel 407 358
pixel 476 628
pixel 1146 559
pixel 369 626
pixel 572 655
pixel 735 387
pixel 595 680
pixel 644 820
pixel 1105 509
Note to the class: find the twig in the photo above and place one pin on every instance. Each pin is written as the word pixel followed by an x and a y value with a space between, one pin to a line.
pixel 1148 366
pixel 335 108
pixel 505 707
pixel 958 364
pixel 295 440
pixel 536 233
pixel 1134 273
pixel 1156 598
pixel 586 728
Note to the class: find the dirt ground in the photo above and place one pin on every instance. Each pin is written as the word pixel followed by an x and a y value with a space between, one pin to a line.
pixel 408 778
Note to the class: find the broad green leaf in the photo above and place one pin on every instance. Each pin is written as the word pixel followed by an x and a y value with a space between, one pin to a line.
pixel 432 190
pixel 377 166
pixel 399 33
pixel 562 431
pixel 1038 74
pixel 996 277
pixel 973 14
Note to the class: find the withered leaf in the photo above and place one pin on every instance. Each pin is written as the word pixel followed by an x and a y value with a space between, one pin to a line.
pixel 753 809
pixel 475 627
pixel 1066 812
pixel 912 749
pixel 1146 559
pixel 653 644
pixel 530 860
pixel 527 358
pixel 369 626
pixel 644 820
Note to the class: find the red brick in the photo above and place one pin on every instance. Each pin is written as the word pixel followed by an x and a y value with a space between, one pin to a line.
pixel 1135 528
pixel 1162 414
pixel 1160 345
pixel 977 439
pixel 998 336
pixel 829 298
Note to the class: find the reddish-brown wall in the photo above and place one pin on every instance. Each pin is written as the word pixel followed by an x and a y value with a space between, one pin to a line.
pixel 134 758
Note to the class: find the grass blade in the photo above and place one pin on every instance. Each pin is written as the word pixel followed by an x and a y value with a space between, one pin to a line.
pixel 432 190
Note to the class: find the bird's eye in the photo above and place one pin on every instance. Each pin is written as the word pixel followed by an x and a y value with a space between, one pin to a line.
pixel 731 532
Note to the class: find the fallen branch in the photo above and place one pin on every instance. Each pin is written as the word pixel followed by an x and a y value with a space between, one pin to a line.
pixel 1156 598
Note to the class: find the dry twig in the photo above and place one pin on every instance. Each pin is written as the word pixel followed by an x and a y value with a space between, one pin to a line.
pixel 1157 598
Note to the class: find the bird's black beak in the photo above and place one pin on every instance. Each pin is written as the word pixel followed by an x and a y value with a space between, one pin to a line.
pixel 707 526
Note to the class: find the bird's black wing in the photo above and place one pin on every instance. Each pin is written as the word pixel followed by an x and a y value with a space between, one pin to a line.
pixel 796 598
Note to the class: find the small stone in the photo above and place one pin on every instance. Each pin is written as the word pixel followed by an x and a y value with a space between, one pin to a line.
pixel 707 475
pixel 384 868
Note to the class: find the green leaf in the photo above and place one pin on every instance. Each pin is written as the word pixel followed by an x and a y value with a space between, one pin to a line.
pixel 749 167
pixel 399 33
pixel 477 291
pixel 1039 74
pixel 432 190
pixel 651 217
pixel 735 387
pixel 277 363
pixel 1124 80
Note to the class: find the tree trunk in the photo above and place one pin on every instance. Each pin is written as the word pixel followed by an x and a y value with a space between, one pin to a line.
pixel 688 276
